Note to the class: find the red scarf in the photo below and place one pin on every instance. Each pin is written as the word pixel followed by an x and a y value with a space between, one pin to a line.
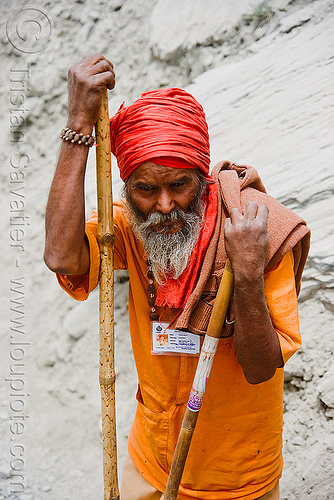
pixel 175 293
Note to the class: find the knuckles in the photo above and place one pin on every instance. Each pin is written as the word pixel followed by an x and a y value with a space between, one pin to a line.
pixel 247 228
pixel 244 235
pixel 81 74
pixel 105 65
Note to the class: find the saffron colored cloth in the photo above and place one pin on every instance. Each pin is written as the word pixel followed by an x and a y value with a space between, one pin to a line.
pixel 161 123
pixel 134 486
pixel 236 451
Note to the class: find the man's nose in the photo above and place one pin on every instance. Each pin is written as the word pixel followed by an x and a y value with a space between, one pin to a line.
pixel 165 202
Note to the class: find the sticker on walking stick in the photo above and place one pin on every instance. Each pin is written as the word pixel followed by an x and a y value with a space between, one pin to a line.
pixel 202 373
pixel 168 341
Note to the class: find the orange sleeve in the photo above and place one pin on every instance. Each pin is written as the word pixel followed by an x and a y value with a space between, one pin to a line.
pixel 80 286
pixel 281 298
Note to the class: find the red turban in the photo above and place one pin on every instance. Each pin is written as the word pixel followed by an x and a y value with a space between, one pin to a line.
pixel 162 124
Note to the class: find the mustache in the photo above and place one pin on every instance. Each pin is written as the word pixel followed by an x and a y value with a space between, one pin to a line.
pixel 159 218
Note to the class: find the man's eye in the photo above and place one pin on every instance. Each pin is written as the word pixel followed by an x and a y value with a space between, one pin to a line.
pixel 178 184
pixel 145 187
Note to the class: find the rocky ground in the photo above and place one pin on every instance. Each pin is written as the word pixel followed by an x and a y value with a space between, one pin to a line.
pixel 264 74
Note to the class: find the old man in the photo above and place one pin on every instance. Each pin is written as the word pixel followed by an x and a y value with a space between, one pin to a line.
pixel 174 229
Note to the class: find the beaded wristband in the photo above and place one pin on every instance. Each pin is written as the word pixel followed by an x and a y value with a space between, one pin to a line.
pixel 74 137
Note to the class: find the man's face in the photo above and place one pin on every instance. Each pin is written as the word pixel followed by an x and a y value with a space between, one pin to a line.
pixel 166 211
pixel 155 188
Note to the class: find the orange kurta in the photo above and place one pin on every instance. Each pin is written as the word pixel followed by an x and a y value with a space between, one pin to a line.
pixel 236 451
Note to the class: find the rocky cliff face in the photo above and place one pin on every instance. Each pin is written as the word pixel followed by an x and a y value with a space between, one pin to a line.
pixel 264 75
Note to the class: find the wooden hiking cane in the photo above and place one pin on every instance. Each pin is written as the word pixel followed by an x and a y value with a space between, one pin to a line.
pixel 105 235
pixel 208 351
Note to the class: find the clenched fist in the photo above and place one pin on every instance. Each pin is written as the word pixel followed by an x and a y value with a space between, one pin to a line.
pixel 86 79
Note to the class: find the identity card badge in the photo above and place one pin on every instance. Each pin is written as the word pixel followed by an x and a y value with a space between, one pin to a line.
pixel 168 341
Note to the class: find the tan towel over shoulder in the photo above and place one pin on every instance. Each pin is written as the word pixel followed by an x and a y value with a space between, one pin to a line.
pixel 237 185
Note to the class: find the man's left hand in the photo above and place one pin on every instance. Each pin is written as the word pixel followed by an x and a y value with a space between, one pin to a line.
pixel 247 241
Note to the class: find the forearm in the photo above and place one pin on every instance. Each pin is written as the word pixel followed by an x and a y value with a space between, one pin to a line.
pixel 66 249
pixel 256 341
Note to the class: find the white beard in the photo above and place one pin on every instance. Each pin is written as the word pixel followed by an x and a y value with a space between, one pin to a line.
pixel 169 253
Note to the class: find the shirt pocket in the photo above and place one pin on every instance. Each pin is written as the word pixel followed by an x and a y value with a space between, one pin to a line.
pixel 161 430
pixel 156 426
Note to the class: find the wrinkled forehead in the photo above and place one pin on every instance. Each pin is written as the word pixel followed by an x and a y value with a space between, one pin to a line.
pixel 157 173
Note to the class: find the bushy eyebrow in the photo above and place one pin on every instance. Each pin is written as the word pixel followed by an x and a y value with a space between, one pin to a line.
pixel 141 184
pixel 184 179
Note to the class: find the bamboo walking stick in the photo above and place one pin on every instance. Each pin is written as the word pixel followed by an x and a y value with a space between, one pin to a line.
pixel 105 235
pixel 201 377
